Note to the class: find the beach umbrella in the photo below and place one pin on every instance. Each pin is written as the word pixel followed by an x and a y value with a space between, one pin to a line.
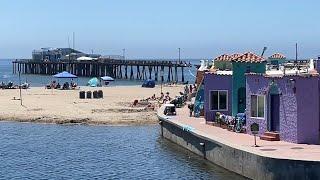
pixel 65 74
pixel 94 82
pixel 107 78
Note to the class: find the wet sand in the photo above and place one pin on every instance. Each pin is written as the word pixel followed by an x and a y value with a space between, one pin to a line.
pixel 64 106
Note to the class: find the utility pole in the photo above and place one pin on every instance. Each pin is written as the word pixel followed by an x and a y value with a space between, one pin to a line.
pixel 296 51
pixel 296 61
pixel 69 48
pixel 124 54
pixel 20 87
pixel 73 40
pixel 161 75
pixel 179 55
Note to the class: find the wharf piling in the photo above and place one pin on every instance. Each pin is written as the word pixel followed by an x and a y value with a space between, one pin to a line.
pixel 119 69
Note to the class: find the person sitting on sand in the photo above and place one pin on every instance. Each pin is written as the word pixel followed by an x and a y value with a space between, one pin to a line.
pixel 58 86
pixel 65 85
pixel 186 90
pixel 153 97
pixel 166 98
pixel 161 96
pixel 2 85
pixel 135 102
pixel 73 85
pixel 52 85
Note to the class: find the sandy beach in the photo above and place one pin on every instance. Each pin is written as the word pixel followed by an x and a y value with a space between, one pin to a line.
pixel 64 106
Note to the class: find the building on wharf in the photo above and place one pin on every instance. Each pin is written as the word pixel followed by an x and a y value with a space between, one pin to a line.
pixel 48 61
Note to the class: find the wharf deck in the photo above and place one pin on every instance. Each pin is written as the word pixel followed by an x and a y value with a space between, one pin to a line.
pixel 245 142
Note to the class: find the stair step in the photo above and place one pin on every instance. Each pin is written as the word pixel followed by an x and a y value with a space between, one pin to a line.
pixel 272 134
pixel 269 138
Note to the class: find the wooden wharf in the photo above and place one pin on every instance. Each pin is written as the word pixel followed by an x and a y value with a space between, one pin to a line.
pixel 119 69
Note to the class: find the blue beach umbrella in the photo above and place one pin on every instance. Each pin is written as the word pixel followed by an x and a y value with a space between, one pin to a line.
pixel 65 74
pixel 94 82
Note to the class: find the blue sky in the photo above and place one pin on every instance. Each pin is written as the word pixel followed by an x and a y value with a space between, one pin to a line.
pixel 156 29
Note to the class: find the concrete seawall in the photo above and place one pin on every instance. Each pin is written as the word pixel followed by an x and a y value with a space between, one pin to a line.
pixel 241 162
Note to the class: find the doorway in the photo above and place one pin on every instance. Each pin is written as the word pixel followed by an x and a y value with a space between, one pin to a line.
pixel 275 112
pixel 241 100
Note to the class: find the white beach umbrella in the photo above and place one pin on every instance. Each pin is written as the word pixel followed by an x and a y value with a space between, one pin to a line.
pixel 107 78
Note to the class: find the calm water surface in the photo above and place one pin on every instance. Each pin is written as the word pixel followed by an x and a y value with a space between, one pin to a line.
pixel 40 151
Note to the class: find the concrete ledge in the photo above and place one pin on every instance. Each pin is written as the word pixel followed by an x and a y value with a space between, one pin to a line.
pixel 241 162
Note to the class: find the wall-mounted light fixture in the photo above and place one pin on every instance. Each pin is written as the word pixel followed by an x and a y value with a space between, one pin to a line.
pixel 203 145
pixel 293 85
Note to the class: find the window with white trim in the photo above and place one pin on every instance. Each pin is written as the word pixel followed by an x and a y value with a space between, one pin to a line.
pixel 219 100
pixel 257 106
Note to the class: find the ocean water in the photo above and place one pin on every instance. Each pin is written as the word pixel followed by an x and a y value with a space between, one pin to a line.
pixel 42 151
pixel 6 75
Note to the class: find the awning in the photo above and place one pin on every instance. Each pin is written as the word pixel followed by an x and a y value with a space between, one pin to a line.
pixel 84 58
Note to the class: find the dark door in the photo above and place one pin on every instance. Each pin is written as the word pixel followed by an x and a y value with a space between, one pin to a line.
pixel 241 100
pixel 275 116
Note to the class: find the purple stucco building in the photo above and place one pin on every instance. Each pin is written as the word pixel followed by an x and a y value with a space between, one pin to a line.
pixel 283 100
pixel 287 104
pixel 217 82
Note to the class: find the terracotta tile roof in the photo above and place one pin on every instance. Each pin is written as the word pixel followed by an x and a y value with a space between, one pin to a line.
pixel 249 57
pixel 223 57
pixel 277 56
pixel 235 55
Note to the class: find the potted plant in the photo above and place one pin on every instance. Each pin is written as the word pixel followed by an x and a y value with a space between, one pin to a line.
pixel 218 119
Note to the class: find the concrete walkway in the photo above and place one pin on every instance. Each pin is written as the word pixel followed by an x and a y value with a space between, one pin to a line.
pixel 245 142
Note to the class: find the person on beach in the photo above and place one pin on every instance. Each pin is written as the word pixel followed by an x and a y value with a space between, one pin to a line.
pixel 186 90
pixel 166 98
pixel 54 84
pixel 2 85
pixel 190 87
pixel 153 97
pixel 135 102
pixel 161 96
pixel 190 106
